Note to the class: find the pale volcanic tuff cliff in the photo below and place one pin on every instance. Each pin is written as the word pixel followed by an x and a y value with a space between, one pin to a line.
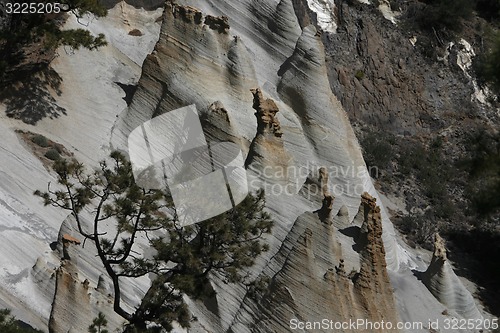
pixel 260 70
pixel 445 285
pixel 256 72
pixel 195 64
pixel 269 64
pixel 322 275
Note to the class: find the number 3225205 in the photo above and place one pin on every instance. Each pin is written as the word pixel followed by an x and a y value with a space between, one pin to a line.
pixel 34 8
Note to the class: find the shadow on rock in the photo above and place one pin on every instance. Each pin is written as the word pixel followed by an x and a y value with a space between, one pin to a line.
pixel 354 233
pixel 418 274
pixel 28 96
pixel 475 254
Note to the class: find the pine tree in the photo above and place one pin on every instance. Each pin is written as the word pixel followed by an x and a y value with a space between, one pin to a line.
pixel 185 256
pixel 98 324
pixel 8 324
pixel 25 30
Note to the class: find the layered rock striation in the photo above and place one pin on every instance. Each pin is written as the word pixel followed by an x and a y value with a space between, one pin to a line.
pixel 445 285
pixel 268 48
pixel 258 77
pixel 267 148
pixel 76 301
pixel 372 284
pixel 321 278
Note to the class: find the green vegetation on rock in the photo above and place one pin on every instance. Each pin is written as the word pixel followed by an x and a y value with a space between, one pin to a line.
pixel 53 154
pixel 40 140
pixel 8 324
pixel 487 65
pixel 449 14
pixel 28 44
pixel 98 324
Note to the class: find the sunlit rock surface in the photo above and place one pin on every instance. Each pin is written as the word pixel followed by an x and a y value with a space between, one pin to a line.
pixel 224 69
pixel 76 300
pixel 444 284
pixel 333 254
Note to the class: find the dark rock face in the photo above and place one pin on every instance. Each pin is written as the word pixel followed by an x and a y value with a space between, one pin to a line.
pixel 193 15
pixel 383 80
pixel 221 24
pixel 186 13
pixel 4 17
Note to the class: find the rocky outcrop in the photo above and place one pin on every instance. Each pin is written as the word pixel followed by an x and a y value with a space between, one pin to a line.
pixel 71 305
pixel 43 276
pixel 218 126
pixel 319 278
pixel 343 215
pixel 372 284
pixel 221 24
pixel 445 285
pixel 300 126
pixel 266 113
pixel 311 284
pixel 325 212
pixel 76 302
pixel 386 78
pixel 146 4
pixel 66 238
pixel 267 148
pixel 186 13
pixel 193 15
pixel 192 64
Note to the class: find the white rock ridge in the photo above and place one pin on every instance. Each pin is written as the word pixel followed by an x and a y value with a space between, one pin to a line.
pixel 325 14
pixel 444 284
pixel 216 67
pixel 213 62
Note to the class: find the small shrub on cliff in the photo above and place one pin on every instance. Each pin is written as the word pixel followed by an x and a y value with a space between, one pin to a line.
pixel 449 14
pixel 135 32
pixel 483 167
pixel 433 172
pixel 487 65
pixel 378 150
pixel 52 154
pixel 419 229
pixel 359 75
pixel 98 324
pixel 40 140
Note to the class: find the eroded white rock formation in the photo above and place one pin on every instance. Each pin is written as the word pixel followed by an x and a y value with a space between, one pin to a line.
pixel 445 285
pixel 213 54
pixel 282 61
